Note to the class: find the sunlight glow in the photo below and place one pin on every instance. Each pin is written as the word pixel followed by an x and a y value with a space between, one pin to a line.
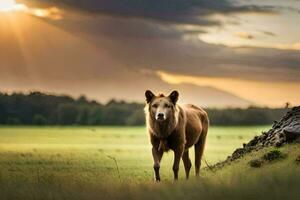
pixel 260 92
pixel 7 5
pixel 52 13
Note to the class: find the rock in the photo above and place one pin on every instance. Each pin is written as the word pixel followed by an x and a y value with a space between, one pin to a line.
pixel 278 144
pixel 284 131
pixel 238 153
pixel 290 135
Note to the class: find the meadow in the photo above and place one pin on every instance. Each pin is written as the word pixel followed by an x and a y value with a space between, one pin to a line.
pixel 90 151
pixel 70 162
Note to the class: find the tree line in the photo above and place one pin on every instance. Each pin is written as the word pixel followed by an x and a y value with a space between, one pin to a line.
pixel 38 108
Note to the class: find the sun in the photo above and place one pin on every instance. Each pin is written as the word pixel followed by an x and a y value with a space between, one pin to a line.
pixel 7 5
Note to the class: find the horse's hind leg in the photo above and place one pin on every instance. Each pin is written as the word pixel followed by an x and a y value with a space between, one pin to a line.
pixel 197 158
pixel 187 163
pixel 199 149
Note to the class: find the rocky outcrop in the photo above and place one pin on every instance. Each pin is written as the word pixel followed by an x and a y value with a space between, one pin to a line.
pixel 285 131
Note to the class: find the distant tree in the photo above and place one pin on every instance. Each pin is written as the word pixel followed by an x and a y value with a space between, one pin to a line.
pixel 95 116
pixel 83 115
pixel 13 121
pixel 67 114
pixel 39 120
pixel 114 114
pixel 3 113
pixel 82 100
pixel 136 118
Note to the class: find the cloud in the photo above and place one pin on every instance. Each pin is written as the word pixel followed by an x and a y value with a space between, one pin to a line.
pixel 117 27
pixel 269 33
pixel 167 11
pixel 199 58
pixel 245 35
pixel 294 46
pixel 285 8
pixel 137 43
pixel 148 18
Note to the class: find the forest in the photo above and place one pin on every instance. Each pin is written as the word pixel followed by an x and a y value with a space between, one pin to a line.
pixel 38 108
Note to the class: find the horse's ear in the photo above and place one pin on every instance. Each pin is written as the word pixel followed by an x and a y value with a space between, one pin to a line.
pixel 149 96
pixel 174 96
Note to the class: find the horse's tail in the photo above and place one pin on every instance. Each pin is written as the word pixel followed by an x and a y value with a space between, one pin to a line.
pixel 200 145
pixel 203 136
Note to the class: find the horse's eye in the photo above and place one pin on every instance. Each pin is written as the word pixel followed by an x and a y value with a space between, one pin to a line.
pixel 154 105
pixel 167 105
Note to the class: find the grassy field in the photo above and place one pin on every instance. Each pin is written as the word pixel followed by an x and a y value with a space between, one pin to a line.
pixel 78 162
pixel 88 151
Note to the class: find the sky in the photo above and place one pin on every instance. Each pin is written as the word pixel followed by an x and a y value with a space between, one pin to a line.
pixel 215 53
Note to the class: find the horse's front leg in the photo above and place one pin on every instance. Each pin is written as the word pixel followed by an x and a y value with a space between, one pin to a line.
pixel 157 155
pixel 177 156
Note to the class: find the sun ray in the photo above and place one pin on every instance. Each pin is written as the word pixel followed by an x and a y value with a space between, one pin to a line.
pixel 18 35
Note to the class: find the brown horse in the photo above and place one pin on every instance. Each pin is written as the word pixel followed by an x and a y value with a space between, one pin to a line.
pixel 175 127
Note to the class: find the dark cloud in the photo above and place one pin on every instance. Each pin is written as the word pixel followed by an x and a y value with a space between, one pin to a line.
pixel 286 8
pixel 145 18
pixel 194 57
pixel 199 58
pixel 170 11
pixel 138 43
pixel 117 27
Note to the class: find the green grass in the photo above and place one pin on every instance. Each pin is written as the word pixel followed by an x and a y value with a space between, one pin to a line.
pixel 75 163
pixel 86 150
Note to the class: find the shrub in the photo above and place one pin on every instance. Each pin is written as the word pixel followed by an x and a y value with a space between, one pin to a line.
pixel 256 163
pixel 273 155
